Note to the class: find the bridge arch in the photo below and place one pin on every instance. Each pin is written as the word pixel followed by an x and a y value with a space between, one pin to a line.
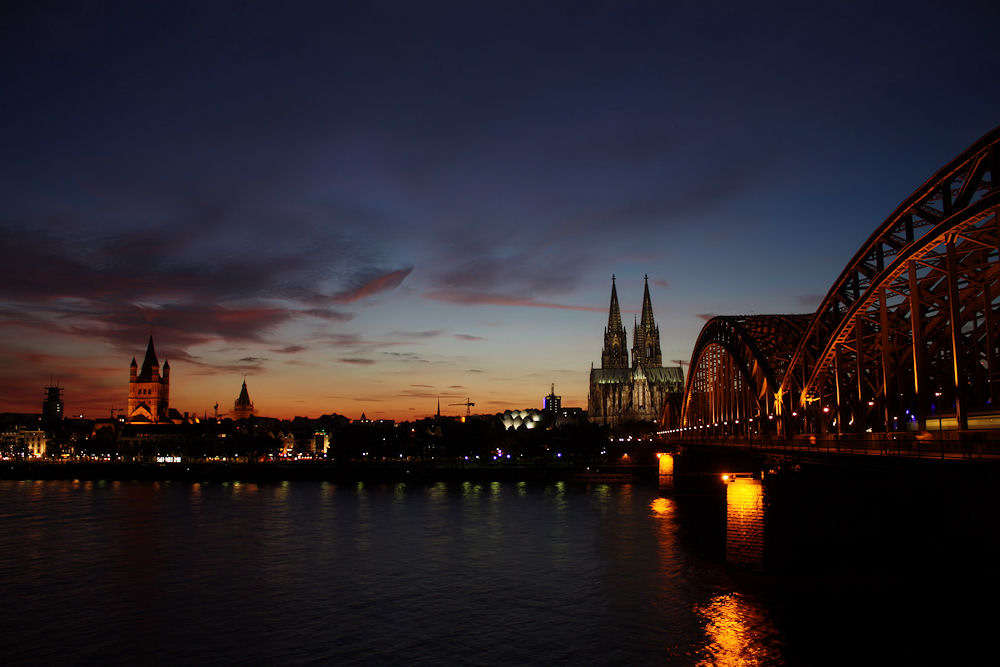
pixel 909 330
pixel 908 333
pixel 736 367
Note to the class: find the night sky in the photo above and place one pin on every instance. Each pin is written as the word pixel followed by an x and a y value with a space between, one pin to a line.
pixel 362 207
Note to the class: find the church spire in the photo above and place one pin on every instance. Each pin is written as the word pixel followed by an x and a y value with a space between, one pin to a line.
pixel 646 340
pixel 614 313
pixel 615 354
pixel 150 371
pixel 647 307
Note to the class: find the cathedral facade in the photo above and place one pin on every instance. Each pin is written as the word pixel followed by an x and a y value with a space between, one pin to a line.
pixel 643 390
pixel 148 391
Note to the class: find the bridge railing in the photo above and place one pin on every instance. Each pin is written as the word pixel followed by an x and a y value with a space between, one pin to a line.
pixel 952 445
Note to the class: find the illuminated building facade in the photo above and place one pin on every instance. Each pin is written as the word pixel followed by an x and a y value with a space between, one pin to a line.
pixel 243 407
pixel 148 391
pixel 644 391
pixel 553 403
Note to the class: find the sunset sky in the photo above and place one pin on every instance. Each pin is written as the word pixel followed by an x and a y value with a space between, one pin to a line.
pixel 362 207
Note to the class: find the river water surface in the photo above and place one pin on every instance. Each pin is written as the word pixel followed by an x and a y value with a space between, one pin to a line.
pixel 460 573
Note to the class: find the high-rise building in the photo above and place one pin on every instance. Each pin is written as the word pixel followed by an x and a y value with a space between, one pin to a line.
pixel 553 403
pixel 620 393
pixel 52 406
pixel 148 391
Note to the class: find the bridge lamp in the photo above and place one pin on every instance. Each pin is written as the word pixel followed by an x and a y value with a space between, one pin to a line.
pixel 871 404
pixel 826 408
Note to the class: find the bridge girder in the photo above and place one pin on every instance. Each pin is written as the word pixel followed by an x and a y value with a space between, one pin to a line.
pixel 737 364
pixel 909 330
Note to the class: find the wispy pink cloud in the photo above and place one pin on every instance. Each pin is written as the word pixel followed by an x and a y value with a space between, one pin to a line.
pixel 474 298
pixel 373 285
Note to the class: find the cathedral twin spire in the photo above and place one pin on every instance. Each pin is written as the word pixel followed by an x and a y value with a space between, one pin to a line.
pixel 645 337
pixel 615 353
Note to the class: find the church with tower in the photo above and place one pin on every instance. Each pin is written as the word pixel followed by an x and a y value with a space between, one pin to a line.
pixel 148 390
pixel 640 390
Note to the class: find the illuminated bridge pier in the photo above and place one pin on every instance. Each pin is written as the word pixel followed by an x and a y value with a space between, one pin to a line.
pixel 901 358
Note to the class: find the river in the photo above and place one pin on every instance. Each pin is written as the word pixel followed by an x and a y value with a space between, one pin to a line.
pixel 499 573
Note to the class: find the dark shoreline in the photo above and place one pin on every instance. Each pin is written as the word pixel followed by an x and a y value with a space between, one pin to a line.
pixel 316 471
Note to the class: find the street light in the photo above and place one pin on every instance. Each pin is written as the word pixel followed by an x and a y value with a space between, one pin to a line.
pixel 937 401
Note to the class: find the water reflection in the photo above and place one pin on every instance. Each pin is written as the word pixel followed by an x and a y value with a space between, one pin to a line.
pixel 739 632
pixel 745 523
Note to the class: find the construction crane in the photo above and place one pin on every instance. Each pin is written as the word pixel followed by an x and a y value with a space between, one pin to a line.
pixel 680 362
pixel 468 407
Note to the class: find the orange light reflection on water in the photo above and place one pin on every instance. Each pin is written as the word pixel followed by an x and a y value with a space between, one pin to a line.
pixel 739 633
pixel 661 506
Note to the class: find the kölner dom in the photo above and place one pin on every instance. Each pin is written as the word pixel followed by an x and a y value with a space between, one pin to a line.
pixel 644 391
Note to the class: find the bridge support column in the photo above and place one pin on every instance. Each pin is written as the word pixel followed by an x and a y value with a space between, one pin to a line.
pixel 666 470
pixel 745 522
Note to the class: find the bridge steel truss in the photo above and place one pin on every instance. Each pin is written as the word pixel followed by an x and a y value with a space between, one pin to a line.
pixel 908 335
pixel 736 369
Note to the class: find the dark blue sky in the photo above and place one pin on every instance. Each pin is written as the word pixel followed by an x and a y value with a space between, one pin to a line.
pixel 363 206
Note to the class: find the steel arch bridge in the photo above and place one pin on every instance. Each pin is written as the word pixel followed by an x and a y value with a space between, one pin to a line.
pixel 907 338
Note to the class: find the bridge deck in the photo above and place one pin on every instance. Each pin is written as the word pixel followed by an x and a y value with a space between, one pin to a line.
pixel 957 447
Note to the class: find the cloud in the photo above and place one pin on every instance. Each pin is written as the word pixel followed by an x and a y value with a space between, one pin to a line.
pixel 289 349
pixel 661 283
pixel 467 337
pixel 357 360
pixel 371 283
pixel 407 356
pixel 415 334
pixel 327 314
pixel 178 273
pixel 473 298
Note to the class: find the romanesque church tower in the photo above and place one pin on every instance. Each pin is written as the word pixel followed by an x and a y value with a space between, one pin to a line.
pixel 243 407
pixel 148 391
